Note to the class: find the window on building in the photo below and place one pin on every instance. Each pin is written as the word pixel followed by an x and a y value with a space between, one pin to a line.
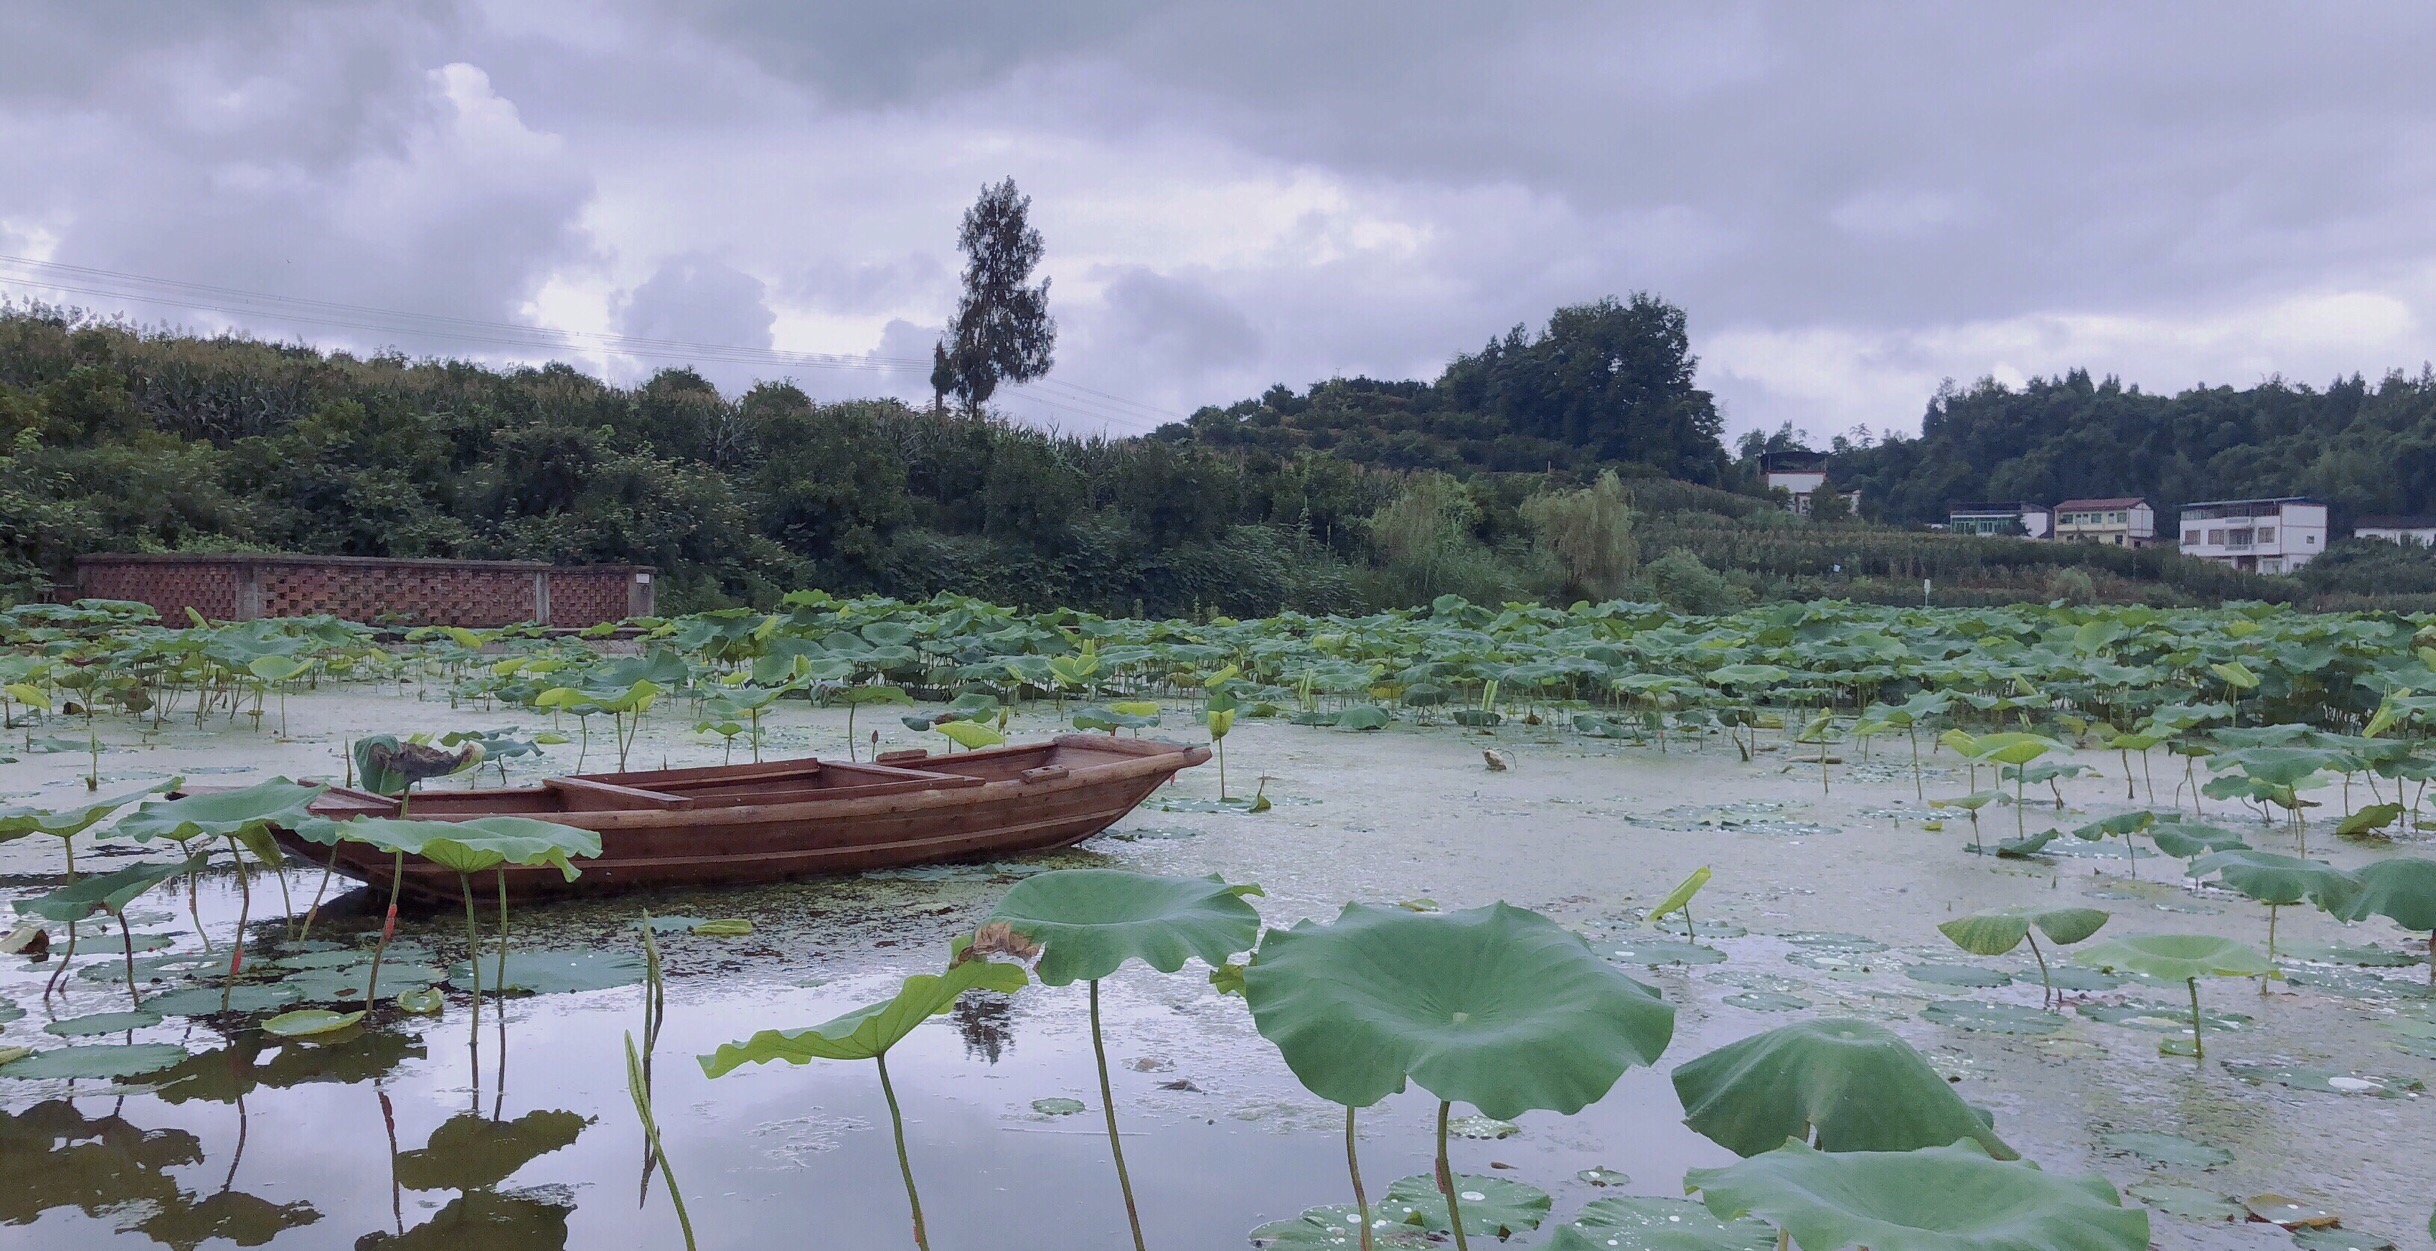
pixel 2190 538
pixel 2266 534
pixel 2114 516
pixel 2237 538
pixel 2216 538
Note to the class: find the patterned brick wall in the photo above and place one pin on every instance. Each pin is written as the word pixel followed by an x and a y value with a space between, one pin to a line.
pixel 418 592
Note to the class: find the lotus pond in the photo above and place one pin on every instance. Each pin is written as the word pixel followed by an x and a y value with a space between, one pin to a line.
pixel 2017 924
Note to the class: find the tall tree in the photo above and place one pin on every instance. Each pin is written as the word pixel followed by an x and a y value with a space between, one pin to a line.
pixel 1003 331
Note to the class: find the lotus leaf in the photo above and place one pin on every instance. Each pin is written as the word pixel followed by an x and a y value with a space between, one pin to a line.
pixel 246 815
pixel 868 1032
pixel 482 843
pixel 2175 957
pixel 1950 1198
pixel 1958 975
pixel 1853 1084
pixel 2167 1149
pixel 2280 880
pixel 109 892
pixel 101 1023
pixel 212 1000
pixel 1089 922
pixel 1995 933
pixel 551 972
pixel 310 1022
pixel 1497 1007
pixel 18 822
pixel 1057 1107
pixel 2189 1202
pixel 1660 951
pixel 2402 888
pixel 1639 1224
pixel 2184 840
pixel 1990 1018
pixel 97 1060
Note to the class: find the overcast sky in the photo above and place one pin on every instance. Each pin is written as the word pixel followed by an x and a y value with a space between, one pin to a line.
pixel 1851 201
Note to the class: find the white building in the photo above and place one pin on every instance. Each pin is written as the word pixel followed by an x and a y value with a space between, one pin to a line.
pixel 2029 521
pixel 1799 475
pixel 2408 531
pixel 2120 521
pixel 2263 536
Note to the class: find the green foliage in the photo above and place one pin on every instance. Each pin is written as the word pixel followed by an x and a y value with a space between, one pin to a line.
pixel 868 1032
pixel 1497 1007
pixel 1089 922
pixel 1949 1198
pixel 1852 1084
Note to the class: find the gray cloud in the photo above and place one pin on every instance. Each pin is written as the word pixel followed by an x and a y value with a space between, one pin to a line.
pixel 1850 202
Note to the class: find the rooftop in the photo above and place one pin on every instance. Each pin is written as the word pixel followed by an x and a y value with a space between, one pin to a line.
pixel 2278 499
pixel 2395 523
pixel 2119 501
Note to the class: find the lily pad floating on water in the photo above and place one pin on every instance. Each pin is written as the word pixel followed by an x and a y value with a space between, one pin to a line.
pixel 2289 1212
pixel 1493 1205
pixel 1482 1128
pixel 310 1023
pixel 2167 1149
pixel 425 1002
pixel 1633 1223
pixel 1057 1107
pixel 2161 1018
pixel 347 985
pixel 1958 975
pixel 2340 1239
pixel 549 972
pixel 2188 1202
pixel 1954 1198
pixel 1833 961
pixel 1766 1001
pixel 1602 1176
pixel 1827 940
pixel 2365 955
pixel 2323 1081
pixel 1338 1227
pixel 2073 977
pixel 102 1023
pixel 206 1000
pixel 1658 951
pixel 97 1060
pixel 1991 1018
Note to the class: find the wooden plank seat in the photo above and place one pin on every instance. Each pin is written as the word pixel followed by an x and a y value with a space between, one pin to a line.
pixel 589 795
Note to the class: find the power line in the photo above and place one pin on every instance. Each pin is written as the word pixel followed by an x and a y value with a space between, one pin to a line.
pixel 239 302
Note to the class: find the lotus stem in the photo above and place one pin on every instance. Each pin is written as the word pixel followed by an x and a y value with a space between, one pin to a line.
pixel 287 903
pixel 1353 1165
pixel 245 908
pixel 2199 1045
pixel 129 936
pixel 70 954
pixel 896 1118
pixel 389 925
pixel 1099 1051
pixel 2046 983
pixel 315 909
pixel 1446 1182
pixel 194 910
pixel 473 944
pixel 499 983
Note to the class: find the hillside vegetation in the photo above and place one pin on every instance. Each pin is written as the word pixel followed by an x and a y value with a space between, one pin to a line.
pixel 1576 463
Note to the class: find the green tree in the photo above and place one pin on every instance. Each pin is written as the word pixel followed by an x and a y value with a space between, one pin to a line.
pixel 1002 331
pixel 1590 535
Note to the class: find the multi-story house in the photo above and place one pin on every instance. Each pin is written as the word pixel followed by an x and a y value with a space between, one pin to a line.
pixel 2029 521
pixel 1799 475
pixel 2264 536
pixel 2408 531
pixel 2126 521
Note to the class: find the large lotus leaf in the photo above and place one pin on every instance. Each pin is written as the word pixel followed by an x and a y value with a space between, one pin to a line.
pixel 1089 922
pixel 2276 879
pixel 246 815
pixel 2013 748
pixel 1951 1198
pixel 385 765
pixel 2185 839
pixel 1855 1084
pixel 868 1032
pixel 470 1151
pixel 101 1023
pixel 97 1060
pixel 1995 933
pixel 1632 1223
pixel 2403 888
pixel 2176 957
pixel 1497 1007
pixel 17 822
pixel 483 843
pixel 108 892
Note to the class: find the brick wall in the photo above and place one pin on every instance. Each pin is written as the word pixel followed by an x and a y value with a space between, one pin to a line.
pixel 470 593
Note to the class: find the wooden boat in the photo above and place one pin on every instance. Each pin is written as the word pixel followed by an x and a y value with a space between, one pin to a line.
pixel 736 824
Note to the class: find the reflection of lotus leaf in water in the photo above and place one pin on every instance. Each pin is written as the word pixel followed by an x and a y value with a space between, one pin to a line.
pixel 247 1220
pixel 1633 1223
pixel 52 1156
pixel 482 1221
pixel 2167 1149
pixel 226 1074
pixel 469 1151
pixel 102 1023
pixel 97 1060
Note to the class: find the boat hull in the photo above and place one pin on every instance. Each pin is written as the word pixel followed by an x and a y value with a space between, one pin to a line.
pixel 691 828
